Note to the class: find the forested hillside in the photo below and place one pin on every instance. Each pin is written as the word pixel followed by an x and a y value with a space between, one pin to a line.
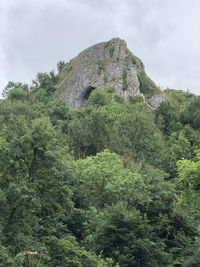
pixel 109 184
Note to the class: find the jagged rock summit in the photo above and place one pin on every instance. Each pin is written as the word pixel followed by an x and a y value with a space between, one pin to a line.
pixel 106 65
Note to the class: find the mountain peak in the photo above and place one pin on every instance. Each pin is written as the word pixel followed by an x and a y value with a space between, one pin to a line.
pixel 104 65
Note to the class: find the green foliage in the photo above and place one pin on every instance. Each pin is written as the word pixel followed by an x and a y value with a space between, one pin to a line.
pixel 124 236
pixel 46 81
pixel 104 180
pixel 98 98
pixel 189 183
pixel 133 60
pixel 32 183
pixel 100 66
pixel 178 99
pixel 136 99
pixel 193 261
pixel 191 114
pixel 166 118
pixel 124 81
pixel 119 99
pixel 88 132
pixel 60 65
pixel 67 252
pixel 80 185
pixel 107 44
pixel 179 147
pixel 147 86
pixel 135 134
pixel 17 94
pixel 111 51
pixel 13 85
pixel 110 89
pixel 69 68
pixel 105 78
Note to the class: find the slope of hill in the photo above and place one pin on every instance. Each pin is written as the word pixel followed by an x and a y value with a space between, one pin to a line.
pixel 112 182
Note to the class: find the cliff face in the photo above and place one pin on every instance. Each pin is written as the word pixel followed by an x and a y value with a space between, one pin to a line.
pixel 108 64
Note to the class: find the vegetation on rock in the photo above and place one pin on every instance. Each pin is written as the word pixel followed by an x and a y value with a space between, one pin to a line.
pixel 147 86
pixel 124 81
pixel 111 51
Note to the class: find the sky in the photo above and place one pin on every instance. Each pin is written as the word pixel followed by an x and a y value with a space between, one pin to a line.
pixel 165 34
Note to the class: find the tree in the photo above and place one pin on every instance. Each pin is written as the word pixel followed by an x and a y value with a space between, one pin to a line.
pixel 17 94
pixel 46 81
pixel 179 147
pixel 99 97
pixel 15 85
pixel 191 114
pixel 125 236
pixel 105 181
pixel 88 132
pixel 67 252
pixel 189 183
pixel 34 187
pixel 60 65
pixel 166 118
pixel 135 134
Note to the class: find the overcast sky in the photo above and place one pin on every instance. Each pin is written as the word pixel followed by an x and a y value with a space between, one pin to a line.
pixel 165 34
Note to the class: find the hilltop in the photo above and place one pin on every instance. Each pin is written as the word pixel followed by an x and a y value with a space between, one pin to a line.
pixel 106 65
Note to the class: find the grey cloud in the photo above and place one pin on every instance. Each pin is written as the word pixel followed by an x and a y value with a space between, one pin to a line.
pixel 35 35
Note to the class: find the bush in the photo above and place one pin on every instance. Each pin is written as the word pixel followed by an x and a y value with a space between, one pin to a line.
pixel 111 51
pixel 147 86
pixel 60 65
pixel 119 99
pixel 124 81
pixel 99 97
pixel 17 94
pixel 100 66
pixel 135 99
pixel 133 60
pixel 107 44
pixel 67 252
pixel 191 114
pixel 110 89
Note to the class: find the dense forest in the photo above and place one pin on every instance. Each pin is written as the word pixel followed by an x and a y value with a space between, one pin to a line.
pixel 109 184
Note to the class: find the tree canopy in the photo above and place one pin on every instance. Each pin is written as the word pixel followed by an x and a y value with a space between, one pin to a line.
pixel 109 184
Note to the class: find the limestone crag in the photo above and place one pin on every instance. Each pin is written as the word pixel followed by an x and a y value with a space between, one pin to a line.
pixel 155 100
pixel 104 65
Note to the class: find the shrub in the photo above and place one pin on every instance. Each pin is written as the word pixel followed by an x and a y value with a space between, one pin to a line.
pixel 136 99
pixel 68 68
pixel 147 86
pixel 60 65
pixel 119 99
pixel 99 97
pixel 124 81
pixel 111 51
pixel 17 94
pixel 100 66
pixel 133 60
pixel 110 89
pixel 107 44
pixel 105 78
pixel 67 252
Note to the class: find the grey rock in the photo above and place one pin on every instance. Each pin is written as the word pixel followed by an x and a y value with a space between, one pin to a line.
pixel 104 65
pixel 155 100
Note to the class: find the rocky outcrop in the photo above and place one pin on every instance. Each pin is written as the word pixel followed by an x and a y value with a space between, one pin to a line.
pixel 155 100
pixel 104 65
